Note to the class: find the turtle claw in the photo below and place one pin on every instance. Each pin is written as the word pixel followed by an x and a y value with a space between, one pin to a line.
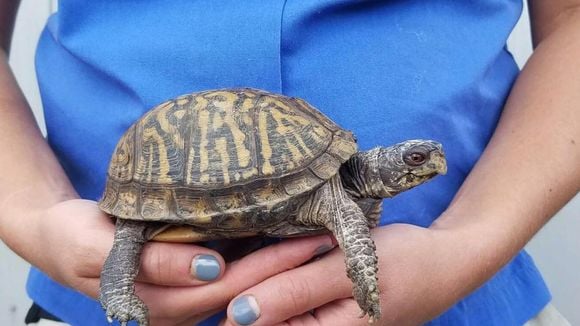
pixel 126 308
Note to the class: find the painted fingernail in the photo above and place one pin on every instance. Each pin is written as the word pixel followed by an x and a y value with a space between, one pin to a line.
pixel 205 267
pixel 323 249
pixel 245 310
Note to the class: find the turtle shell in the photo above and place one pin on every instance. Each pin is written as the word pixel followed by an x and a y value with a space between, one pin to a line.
pixel 222 152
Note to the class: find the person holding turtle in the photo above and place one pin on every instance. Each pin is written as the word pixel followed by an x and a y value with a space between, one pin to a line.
pixel 234 163
pixel 449 252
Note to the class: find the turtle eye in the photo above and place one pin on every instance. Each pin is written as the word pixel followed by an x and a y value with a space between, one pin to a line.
pixel 415 158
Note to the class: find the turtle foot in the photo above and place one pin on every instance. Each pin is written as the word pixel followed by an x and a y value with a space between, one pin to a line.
pixel 125 308
pixel 366 295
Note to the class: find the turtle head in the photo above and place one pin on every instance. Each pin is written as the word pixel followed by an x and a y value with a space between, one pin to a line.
pixel 409 164
pixel 384 172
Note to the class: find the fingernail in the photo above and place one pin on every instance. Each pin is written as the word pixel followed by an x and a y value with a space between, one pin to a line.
pixel 245 310
pixel 323 249
pixel 205 267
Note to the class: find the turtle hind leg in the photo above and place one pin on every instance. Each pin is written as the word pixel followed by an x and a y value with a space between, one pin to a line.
pixel 118 296
pixel 332 208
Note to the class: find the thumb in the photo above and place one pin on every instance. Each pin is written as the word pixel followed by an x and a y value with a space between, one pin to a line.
pixel 179 264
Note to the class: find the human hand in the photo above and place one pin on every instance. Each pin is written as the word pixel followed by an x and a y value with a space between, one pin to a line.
pixel 77 237
pixel 422 272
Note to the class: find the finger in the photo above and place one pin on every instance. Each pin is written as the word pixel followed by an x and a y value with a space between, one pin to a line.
pixel 239 275
pixel 189 321
pixel 167 301
pixel 340 312
pixel 306 319
pixel 179 264
pixel 292 293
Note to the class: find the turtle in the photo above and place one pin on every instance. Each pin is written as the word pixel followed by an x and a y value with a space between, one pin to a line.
pixel 240 162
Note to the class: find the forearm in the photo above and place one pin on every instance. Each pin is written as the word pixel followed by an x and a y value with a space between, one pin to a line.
pixel 530 168
pixel 8 10
pixel 31 177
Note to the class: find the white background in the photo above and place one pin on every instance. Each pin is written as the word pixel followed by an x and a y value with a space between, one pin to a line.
pixel 556 248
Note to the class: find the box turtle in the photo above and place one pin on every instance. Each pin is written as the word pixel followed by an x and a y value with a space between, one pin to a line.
pixel 233 163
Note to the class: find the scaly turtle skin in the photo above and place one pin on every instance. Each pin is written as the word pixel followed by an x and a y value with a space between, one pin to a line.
pixel 234 163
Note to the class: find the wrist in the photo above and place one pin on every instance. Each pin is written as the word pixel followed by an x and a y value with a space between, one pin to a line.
pixel 21 214
pixel 33 197
pixel 477 248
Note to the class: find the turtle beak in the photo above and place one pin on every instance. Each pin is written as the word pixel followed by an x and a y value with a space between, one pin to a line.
pixel 438 159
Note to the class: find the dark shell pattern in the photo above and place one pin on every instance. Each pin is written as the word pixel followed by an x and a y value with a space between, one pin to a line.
pixel 214 158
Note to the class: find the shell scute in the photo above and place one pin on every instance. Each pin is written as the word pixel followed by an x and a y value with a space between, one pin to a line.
pixel 343 146
pixel 156 204
pixel 221 143
pixel 127 201
pixel 297 184
pixel 325 166
pixel 160 143
pixel 121 167
pixel 190 204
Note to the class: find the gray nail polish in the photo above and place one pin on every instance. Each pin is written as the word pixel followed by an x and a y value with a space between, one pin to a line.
pixel 245 310
pixel 322 249
pixel 205 267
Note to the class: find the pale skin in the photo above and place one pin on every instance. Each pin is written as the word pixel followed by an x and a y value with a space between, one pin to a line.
pixel 533 158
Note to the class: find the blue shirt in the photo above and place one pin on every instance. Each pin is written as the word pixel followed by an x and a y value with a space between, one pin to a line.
pixel 388 70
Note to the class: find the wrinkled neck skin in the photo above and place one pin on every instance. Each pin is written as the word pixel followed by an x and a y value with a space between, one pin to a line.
pixel 361 176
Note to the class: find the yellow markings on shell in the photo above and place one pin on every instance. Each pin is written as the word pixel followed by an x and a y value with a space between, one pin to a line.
pixel 320 132
pixel 265 194
pixel 182 100
pixel 230 99
pixel 179 114
pixel 246 110
pixel 289 113
pixel 289 131
pixel 242 152
pixel 164 123
pixel 221 147
pixel 250 173
pixel 203 122
pixel 162 107
pixel 247 119
pixel 149 168
pixel 128 197
pixel 177 140
pixel 218 122
pixel 122 154
pixel 290 162
pixel 247 105
pixel 267 168
pixel 151 135
pixel 228 203
pixel 199 210
pixel 200 105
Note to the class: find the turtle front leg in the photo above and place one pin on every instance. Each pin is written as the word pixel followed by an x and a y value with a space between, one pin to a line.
pixel 351 230
pixel 332 207
pixel 118 296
